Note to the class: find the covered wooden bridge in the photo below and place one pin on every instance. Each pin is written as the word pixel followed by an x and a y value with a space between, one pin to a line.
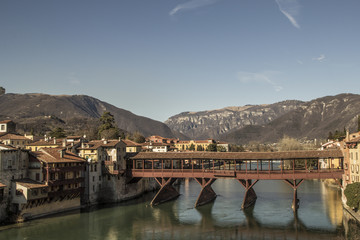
pixel 247 167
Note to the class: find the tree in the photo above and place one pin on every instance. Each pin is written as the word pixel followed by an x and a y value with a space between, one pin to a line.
pixel 289 144
pixel 211 147
pixel 352 193
pixel 331 136
pixel 237 148
pixel 220 148
pixel 108 129
pixel 58 133
pixel 138 138
pixel 199 148
pixel 192 147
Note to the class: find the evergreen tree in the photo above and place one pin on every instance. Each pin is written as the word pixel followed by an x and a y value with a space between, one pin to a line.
pixel 58 133
pixel 108 129
pixel 331 136
pixel 211 147
pixel 192 147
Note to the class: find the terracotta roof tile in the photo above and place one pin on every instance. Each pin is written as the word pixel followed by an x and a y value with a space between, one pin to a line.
pixel 13 137
pixel 52 155
pixel 30 184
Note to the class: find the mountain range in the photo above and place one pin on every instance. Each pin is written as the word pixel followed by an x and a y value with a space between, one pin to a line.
pixel 270 122
pixel 31 111
pixel 240 124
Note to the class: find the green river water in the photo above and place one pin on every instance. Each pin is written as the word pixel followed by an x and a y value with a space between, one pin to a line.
pixel 320 216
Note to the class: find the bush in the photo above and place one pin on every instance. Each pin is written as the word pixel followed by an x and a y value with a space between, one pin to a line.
pixel 352 193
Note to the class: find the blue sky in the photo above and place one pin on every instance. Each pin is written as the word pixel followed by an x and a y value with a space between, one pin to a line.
pixel 157 58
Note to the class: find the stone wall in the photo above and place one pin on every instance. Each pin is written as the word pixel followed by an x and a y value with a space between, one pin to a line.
pixel 115 189
pixel 49 208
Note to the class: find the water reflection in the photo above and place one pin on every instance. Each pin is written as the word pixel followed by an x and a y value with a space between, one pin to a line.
pixel 271 217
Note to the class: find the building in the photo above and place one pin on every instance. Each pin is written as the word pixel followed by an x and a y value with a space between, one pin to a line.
pixel 351 149
pixel 159 139
pixel 156 147
pixel 55 183
pixel 132 147
pixel 13 166
pixel 15 140
pixel 224 146
pixel 105 160
pixel 330 163
pixel 71 143
pixel 7 126
pixel 197 145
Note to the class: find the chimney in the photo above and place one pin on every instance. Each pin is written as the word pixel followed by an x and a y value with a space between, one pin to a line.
pixel 54 140
pixel 64 143
pixel 347 135
pixel 62 153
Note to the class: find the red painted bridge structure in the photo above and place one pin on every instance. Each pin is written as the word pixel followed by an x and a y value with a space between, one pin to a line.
pixel 248 168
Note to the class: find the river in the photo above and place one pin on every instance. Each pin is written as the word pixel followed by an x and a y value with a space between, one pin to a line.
pixel 320 216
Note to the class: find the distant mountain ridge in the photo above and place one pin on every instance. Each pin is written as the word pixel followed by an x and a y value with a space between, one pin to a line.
pixel 269 123
pixel 23 107
pixel 212 124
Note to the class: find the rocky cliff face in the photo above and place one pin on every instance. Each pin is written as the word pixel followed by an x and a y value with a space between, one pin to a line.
pixel 269 123
pixel 212 124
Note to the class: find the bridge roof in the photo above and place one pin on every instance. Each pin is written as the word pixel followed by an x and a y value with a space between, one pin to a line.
pixel 314 154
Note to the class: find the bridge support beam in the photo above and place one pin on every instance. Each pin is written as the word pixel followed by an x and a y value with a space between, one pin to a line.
pixel 207 194
pixel 166 193
pixel 250 195
pixel 296 202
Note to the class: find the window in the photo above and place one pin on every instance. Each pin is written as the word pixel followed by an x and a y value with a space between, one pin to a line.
pixel 352 168
pixel 351 156
pixel 1 193
pixel 93 178
pixel 357 168
pixel 37 177
pixel 94 188
pixel 3 127
pixel 99 178
pixel 356 156
pixel 95 168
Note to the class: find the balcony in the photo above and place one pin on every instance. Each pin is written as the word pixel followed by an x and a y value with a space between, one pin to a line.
pixel 66 181
pixel 67 169
pixel 63 193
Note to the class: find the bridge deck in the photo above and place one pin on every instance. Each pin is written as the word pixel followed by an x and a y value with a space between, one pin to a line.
pixel 261 175
pixel 239 165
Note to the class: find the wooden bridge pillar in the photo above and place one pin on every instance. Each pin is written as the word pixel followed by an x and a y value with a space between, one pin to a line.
pixel 250 195
pixel 207 194
pixel 296 202
pixel 166 193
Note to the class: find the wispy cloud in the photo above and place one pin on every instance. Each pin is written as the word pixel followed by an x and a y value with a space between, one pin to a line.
pixel 191 5
pixel 320 58
pixel 261 77
pixel 300 62
pixel 290 8
pixel 73 80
